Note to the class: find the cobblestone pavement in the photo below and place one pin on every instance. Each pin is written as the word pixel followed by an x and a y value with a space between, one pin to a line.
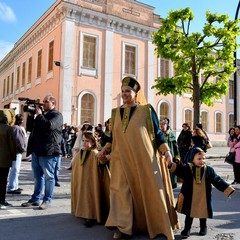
pixel 18 223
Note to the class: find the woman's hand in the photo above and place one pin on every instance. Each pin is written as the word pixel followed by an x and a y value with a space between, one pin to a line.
pixel 101 154
pixel 168 157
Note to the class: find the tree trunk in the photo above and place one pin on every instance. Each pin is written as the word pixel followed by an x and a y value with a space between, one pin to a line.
pixel 196 101
pixel 196 93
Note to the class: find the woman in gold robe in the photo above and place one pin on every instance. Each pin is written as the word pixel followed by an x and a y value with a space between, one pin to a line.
pixel 141 197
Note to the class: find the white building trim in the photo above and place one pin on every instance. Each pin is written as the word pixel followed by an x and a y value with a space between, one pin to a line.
pixel 150 81
pixel 108 74
pixel 66 73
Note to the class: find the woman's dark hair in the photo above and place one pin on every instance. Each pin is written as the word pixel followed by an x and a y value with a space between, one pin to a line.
pixel 89 128
pixel 19 119
pixel 187 125
pixel 232 128
pixel 199 125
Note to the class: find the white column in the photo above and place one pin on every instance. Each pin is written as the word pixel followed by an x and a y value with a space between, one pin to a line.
pixel 108 75
pixel 178 106
pixel 66 76
pixel 238 99
pixel 150 67
pixel 179 114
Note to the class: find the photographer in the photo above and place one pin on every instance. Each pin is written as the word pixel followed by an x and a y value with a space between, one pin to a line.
pixel 45 146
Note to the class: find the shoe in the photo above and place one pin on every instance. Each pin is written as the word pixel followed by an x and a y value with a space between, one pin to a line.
pixel 203 231
pixel 5 204
pixel 30 203
pixel 69 168
pixel 44 206
pixel 120 235
pixel 234 182
pixel 185 233
pixel 2 207
pixel 89 222
pixel 57 184
pixel 20 189
pixel 14 192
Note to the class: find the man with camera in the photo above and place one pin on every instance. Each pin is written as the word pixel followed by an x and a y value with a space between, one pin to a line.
pixel 45 146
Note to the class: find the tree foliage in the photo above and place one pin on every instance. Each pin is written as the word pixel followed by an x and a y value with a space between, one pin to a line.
pixel 208 54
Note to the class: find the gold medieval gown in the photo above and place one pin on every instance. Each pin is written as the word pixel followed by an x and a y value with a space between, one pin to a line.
pixel 89 187
pixel 141 197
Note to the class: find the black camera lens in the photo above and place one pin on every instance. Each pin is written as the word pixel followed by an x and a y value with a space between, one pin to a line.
pixel 30 109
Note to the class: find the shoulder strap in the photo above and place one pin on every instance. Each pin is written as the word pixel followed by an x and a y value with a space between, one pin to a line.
pixel 150 126
pixel 114 110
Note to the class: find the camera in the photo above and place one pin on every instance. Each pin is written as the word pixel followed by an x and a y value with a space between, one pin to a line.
pixel 30 105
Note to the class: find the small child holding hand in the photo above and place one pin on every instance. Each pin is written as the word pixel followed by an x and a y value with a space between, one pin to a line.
pixel 89 183
pixel 194 199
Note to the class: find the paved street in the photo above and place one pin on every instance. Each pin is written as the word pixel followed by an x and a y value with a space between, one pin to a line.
pixel 17 223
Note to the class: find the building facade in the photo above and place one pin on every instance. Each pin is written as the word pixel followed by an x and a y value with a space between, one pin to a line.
pixel 79 50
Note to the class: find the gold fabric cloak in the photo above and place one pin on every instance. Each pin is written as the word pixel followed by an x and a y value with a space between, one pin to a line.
pixel 141 197
pixel 89 187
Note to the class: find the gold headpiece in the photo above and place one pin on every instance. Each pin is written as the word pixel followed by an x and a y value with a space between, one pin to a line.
pixel 132 83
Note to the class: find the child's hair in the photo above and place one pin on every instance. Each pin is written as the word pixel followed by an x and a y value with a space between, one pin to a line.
pixel 89 135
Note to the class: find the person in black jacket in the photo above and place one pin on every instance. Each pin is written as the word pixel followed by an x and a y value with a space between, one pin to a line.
pixel 7 151
pixel 199 139
pixel 184 140
pixel 45 146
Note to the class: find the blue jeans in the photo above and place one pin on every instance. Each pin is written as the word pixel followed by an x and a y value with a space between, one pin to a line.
pixel 43 170
pixel 57 168
pixel 14 173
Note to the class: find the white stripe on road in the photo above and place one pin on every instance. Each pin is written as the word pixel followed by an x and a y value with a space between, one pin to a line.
pixel 11 213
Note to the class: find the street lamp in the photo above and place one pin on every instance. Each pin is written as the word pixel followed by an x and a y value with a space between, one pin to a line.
pixel 235 74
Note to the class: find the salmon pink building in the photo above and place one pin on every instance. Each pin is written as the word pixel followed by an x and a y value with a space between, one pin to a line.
pixel 79 50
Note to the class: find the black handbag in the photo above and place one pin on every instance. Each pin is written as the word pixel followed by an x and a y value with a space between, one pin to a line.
pixel 230 158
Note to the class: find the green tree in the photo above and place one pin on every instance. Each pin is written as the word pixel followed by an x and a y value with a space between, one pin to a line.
pixel 208 54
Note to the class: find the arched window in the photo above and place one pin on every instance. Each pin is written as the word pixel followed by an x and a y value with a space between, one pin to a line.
pixel 87 108
pixel 204 120
pixel 218 122
pixel 164 110
pixel 188 117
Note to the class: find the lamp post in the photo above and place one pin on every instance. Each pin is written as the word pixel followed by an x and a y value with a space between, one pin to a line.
pixel 235 75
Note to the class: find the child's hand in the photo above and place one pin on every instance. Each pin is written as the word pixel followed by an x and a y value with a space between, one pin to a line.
pixel 75 150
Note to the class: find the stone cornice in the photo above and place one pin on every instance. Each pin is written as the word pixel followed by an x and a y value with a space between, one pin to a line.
pixel 70 11
pixel 110 22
